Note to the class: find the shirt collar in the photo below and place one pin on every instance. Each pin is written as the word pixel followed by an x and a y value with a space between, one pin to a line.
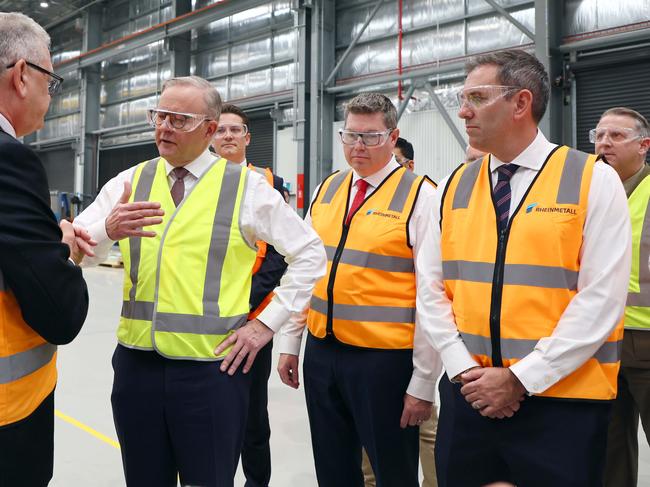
pixel 532 157
pixel 376 179
pixel 244 163
pixel 6 126
pixel 197 167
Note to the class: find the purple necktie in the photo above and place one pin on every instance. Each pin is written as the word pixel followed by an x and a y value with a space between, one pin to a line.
pixel 178 188
pixel 502 193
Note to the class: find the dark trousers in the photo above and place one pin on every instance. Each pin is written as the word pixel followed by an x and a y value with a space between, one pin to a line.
pixel 355 398
pixel 632 402
pixel 256 454
pixel 546 443
pixel 177 417
pixel 27 448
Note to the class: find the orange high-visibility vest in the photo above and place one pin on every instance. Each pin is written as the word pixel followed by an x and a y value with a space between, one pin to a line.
pixel 261 248
pixel 27 362
pixel 367 297
pixel 509 289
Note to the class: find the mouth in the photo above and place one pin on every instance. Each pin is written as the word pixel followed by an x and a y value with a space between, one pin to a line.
pixel 167 141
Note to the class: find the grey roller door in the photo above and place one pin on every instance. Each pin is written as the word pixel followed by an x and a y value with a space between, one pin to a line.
pixel 260 150
pixel 606 82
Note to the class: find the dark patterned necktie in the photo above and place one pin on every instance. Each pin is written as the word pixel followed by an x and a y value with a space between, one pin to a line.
pixel 503 194
pixel 178 188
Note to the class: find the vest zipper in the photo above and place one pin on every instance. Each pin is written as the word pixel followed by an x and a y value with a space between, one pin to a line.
pixel 330 282
pixel 497 295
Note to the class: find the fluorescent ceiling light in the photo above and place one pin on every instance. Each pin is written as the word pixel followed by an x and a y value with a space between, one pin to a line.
pixel 44 4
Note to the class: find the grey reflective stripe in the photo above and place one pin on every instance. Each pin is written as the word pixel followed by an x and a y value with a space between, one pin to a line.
pixel 569 191
pixel 513 348
pixel 257 170
pixel 402 191
pixel 21 364
pixel 219 240
pixel 3 287
pixel 514 274
pixel 334 186
pixel 137 310
pixel 642 298
pixel 466 184
pixel 142 192
pixel 198 325
pixel 379 314
pixel 369 260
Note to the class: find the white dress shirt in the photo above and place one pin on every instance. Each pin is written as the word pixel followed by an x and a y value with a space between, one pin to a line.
pixel 602 281
pixel 264 216
pixel 6 126
pixel 426 362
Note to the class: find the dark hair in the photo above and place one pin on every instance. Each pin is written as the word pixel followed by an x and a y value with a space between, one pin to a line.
pixel 369 103
pixel 520 69
pixel 641 122
pixel 406 148
pixel 235 110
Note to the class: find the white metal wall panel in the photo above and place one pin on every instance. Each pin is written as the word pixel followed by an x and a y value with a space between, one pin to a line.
pixel 437 152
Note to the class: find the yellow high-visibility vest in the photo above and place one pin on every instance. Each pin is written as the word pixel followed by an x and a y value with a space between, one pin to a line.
pixel 637 311
pixel 509 288
pixel 27 362
pixel 187 288
pixel 367 297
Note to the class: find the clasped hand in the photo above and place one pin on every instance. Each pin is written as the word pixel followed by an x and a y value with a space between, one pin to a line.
pixel 495 392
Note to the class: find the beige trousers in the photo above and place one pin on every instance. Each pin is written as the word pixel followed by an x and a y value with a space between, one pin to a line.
pixel 427 443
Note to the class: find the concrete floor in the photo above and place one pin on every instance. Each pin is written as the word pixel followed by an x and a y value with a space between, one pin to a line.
pixel 86 452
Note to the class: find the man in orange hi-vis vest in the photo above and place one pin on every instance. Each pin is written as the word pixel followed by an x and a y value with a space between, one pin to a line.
pixel 43 296
pixel 530 250
pixel 369 374
pixel 231 140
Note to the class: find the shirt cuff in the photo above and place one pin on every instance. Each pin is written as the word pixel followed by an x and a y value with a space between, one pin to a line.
pixel 424 389
pixel 534 373
pixel 290 344
pixel 274 316
pixel 456 359
pixel 98 231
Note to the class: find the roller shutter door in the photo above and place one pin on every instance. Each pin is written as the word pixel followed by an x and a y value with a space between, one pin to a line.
pixel 260 150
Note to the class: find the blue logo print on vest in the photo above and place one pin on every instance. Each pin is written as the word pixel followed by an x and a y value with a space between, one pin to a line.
pixel 530 207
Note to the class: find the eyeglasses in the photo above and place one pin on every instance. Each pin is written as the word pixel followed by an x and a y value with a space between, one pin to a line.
pixel 403 161
pixel 52 84
pixel 616 135
pixel 369 139
pixel 235 129
pixel 483 95
pixel 185 122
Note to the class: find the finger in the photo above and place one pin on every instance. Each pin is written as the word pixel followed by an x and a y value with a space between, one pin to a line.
pixel 139 233
pixel 474 396
pixel 404 420
pixel 225 344
pixel 285 375
pixel 239 358
pixel 249 361
pixel 142 222
pixel 137 213
pixel 143 205
pixel 473 374
pixel 126 194
pixel 491 412
pixel 295 377
pixel 84 247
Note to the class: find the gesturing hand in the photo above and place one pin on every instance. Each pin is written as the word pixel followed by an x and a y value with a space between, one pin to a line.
pixel 127 219
pixel 246 341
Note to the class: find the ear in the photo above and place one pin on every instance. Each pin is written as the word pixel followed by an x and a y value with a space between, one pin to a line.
pixel 644 145
pixel 18 78
pixel 394 135
pixel 523 104
pixel 247 139
pixel 211 129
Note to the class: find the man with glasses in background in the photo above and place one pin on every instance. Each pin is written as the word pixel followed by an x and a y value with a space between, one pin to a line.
pixel 187 223
pixel 230 142
pixel 43 296
pixel 404 153
pixel 369 373
pixel 530 249
pixel 623 138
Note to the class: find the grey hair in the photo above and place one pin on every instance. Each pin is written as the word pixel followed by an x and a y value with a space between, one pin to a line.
pixel 520 69
pixel 21 38
pixel 369 103
pixel 211 96
pixel 641 122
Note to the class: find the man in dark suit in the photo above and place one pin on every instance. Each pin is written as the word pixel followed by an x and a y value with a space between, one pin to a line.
pixel 231 140
pixel 43 296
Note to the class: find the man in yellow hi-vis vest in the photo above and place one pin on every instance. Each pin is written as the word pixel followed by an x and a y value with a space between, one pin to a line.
pixel 369 374
pixel 623 138
pixel 231 140
pixel 187 223
pixel 531 255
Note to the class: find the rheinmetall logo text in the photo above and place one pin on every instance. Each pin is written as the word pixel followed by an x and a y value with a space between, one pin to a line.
pixel 382 214
pixel 550 209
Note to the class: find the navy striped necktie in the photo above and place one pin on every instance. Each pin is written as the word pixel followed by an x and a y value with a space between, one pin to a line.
pixel 502 193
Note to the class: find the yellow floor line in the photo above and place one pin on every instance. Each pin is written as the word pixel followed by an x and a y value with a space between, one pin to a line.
pixel 87 429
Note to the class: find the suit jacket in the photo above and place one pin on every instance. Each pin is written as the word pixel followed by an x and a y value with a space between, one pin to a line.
pixel 50 290
pixel 268 276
